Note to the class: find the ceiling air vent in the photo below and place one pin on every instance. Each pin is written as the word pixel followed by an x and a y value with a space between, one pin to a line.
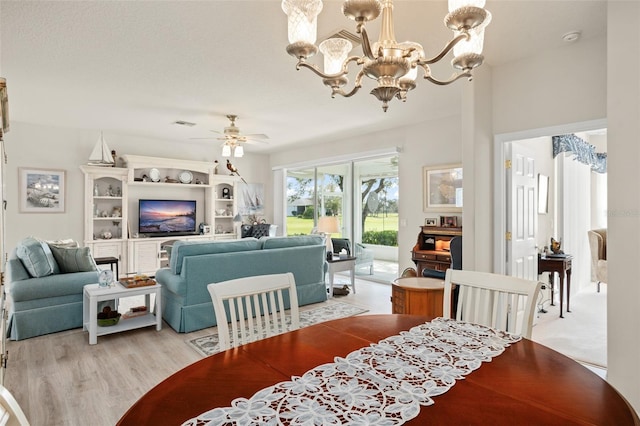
pixel 184 123
pixel 353 38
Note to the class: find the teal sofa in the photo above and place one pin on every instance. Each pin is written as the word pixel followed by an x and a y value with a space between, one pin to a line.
pixel 186 303
pixel 45 288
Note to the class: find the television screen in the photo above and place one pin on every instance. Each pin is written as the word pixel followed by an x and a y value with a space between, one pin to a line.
pixel 162 217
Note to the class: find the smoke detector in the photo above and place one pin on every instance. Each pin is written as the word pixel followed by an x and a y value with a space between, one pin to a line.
pixel 571 37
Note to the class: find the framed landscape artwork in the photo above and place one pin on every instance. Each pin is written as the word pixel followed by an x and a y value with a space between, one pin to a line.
pixel 41 190
pixel 442 188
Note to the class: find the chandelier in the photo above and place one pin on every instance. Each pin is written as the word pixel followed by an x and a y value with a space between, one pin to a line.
pixel 393 65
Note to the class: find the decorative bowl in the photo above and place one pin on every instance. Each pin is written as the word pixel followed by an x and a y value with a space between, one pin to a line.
pixel 221 212
pixel 108 322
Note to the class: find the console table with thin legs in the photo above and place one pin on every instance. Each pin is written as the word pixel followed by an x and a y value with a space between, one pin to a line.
pixel 338 264
pixel 561 265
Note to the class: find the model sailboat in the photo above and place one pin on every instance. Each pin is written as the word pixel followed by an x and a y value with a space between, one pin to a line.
pixel 101 154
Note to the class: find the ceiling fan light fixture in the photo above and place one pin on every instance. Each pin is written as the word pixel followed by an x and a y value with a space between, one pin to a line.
pixel 226 150
pixel 238 151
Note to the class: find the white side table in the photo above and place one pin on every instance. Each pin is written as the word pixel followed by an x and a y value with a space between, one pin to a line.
pixel 93 294
pixel 342 264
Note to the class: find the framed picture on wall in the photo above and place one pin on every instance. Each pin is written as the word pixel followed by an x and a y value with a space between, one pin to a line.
pixel 41 190
pixel 442 188
pixel 4 106
pixel 251 199
pixel 543 194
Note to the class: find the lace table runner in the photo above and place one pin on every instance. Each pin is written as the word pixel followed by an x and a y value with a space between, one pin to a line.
pixel 385 383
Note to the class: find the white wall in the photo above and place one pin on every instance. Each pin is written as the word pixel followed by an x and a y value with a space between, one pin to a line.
pixel 566 85
pixel 59 148
pixel 623 245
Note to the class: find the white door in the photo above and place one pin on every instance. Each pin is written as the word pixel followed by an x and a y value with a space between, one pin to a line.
pixel 522 219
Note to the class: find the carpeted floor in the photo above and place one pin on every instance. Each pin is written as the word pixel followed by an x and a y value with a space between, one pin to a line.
pixel 208 345
pixel 582 333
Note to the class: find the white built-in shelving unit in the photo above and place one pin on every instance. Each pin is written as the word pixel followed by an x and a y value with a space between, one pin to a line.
pixel 111 207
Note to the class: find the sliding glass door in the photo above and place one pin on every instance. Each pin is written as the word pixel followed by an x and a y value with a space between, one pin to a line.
pixel 359 199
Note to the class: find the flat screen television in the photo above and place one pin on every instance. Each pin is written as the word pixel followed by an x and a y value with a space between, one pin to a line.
pixel 167 217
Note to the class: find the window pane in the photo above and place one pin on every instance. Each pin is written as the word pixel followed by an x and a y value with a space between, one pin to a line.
pixel 300 201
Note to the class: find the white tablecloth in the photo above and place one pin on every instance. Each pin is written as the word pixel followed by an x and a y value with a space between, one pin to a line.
pixel 385 383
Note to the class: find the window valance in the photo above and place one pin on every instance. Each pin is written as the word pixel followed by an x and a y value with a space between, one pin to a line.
pixel 582 151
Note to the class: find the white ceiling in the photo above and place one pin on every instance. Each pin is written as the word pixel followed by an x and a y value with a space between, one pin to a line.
pixel 135 67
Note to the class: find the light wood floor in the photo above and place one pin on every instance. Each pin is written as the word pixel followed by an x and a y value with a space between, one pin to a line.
pixel 59 379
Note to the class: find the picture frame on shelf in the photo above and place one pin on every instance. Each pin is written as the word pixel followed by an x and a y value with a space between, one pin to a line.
pixel 41 190
pixel 442 188
pixel 449 221
pixel 431 221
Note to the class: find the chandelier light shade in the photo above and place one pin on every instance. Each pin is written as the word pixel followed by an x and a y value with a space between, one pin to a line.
pixel 394 66
pixel 471 49
pixel 303 23
pixel 335 51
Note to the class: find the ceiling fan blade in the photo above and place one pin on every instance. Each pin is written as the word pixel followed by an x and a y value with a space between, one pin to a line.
pixel 255 141
pixel 256 136
pixel 204 138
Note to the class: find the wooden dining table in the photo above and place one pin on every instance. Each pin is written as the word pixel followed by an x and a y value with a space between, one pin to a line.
pixel 527 384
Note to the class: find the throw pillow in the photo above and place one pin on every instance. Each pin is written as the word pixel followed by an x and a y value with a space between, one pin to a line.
pixel 36 257
pixel 74 259
pixel 63 243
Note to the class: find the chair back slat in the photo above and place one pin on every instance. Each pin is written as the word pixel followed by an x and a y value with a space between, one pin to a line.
pixel 255 307
pixel 498 301
pixel 10 411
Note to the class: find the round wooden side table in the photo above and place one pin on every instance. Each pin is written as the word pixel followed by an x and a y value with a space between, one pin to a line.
pixel 417 295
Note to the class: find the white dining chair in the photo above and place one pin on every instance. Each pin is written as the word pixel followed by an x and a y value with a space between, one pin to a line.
pixel 10 412
pixel 255 308
pixel 499 301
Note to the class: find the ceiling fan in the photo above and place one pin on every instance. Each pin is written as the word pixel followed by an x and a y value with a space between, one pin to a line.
pixel 233 139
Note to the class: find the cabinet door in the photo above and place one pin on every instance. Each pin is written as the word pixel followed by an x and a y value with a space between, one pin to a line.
pixel 107 250
pixel 146 257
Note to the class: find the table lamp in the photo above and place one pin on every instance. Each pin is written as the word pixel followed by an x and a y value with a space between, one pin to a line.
pixel 329 225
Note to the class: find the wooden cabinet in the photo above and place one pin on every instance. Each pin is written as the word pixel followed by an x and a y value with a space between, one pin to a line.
pixel 417 296
pixel 432 248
